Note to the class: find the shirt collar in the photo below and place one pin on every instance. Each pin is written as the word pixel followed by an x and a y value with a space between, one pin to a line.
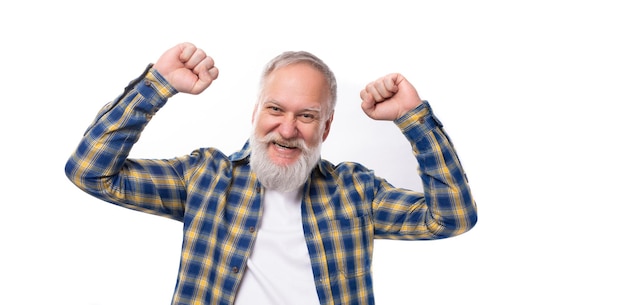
pixel 241 155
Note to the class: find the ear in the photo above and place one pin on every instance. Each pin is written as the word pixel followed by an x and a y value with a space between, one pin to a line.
pixel 256 107
pixel 327 126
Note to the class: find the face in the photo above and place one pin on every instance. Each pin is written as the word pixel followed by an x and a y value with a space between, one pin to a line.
pixel 289 127
pixel 292 109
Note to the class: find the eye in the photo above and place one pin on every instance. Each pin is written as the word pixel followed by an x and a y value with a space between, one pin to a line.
pixel 308 117
pixel 274 109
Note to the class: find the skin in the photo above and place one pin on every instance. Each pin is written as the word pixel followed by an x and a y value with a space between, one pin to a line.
pixel 187 68
pixel 389 97
pixel 292 100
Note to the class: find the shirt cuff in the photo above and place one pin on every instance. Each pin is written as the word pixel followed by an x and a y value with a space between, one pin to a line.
pixel 160 85
pixel 418 122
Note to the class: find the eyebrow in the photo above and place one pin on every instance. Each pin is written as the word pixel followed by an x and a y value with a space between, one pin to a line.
pixel 310 109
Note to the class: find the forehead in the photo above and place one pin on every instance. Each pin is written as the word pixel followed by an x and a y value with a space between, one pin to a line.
pixel 300 71
pixel 296 83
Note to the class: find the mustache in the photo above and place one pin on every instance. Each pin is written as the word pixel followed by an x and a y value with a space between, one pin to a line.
pixel 274 137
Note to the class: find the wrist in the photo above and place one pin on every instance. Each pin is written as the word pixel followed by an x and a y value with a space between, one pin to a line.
pixel 163 88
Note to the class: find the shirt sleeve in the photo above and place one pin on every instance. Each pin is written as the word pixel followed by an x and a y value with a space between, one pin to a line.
pixel 446 208
pixel 100 164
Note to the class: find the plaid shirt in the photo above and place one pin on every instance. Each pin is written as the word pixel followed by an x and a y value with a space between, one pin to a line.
pixel 218 199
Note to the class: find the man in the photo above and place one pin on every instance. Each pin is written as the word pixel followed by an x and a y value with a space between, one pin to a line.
pixel 274 223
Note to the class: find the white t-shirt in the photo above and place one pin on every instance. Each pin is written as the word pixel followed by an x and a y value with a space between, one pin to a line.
pixel 279 269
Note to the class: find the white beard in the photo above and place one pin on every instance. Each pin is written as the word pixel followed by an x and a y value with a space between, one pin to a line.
pixel 283 178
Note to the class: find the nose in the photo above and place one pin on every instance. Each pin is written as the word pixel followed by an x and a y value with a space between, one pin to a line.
pixel 288 128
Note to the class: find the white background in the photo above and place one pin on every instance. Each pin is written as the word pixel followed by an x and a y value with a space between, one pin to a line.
pixel 531 93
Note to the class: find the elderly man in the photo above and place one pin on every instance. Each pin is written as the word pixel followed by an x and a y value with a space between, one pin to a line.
pixel 274 223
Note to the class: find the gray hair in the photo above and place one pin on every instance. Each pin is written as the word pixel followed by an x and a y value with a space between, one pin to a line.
pixel 294 57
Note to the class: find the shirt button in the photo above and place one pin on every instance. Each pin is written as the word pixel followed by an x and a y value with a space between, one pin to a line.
pixel 235 270
pixel 421 120
pixel 251 229
pixel 147 83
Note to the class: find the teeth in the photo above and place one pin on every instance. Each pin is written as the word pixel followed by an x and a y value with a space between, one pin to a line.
pixel 284 146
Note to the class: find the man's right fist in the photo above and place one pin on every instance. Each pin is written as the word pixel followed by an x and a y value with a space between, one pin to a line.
pixel 187 68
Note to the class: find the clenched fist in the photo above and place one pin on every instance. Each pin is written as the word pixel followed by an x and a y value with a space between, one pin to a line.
pixel 187 68
pixel 389 97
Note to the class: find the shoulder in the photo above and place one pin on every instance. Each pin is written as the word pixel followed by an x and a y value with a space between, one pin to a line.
pixel 205 158
pixel 344 169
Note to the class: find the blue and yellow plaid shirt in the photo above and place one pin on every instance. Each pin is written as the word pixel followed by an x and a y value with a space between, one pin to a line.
pixel 218 200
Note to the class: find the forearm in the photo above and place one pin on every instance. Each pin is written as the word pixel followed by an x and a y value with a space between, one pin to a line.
pixel 449 208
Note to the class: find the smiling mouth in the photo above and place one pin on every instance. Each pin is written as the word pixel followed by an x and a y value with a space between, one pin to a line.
pixel 285 146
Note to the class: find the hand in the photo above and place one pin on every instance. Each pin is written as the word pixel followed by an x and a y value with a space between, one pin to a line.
pixel 187 68
pixel 389 97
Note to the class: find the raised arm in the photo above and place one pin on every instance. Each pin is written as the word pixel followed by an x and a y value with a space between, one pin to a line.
pixel 100 165
pixel 446 208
